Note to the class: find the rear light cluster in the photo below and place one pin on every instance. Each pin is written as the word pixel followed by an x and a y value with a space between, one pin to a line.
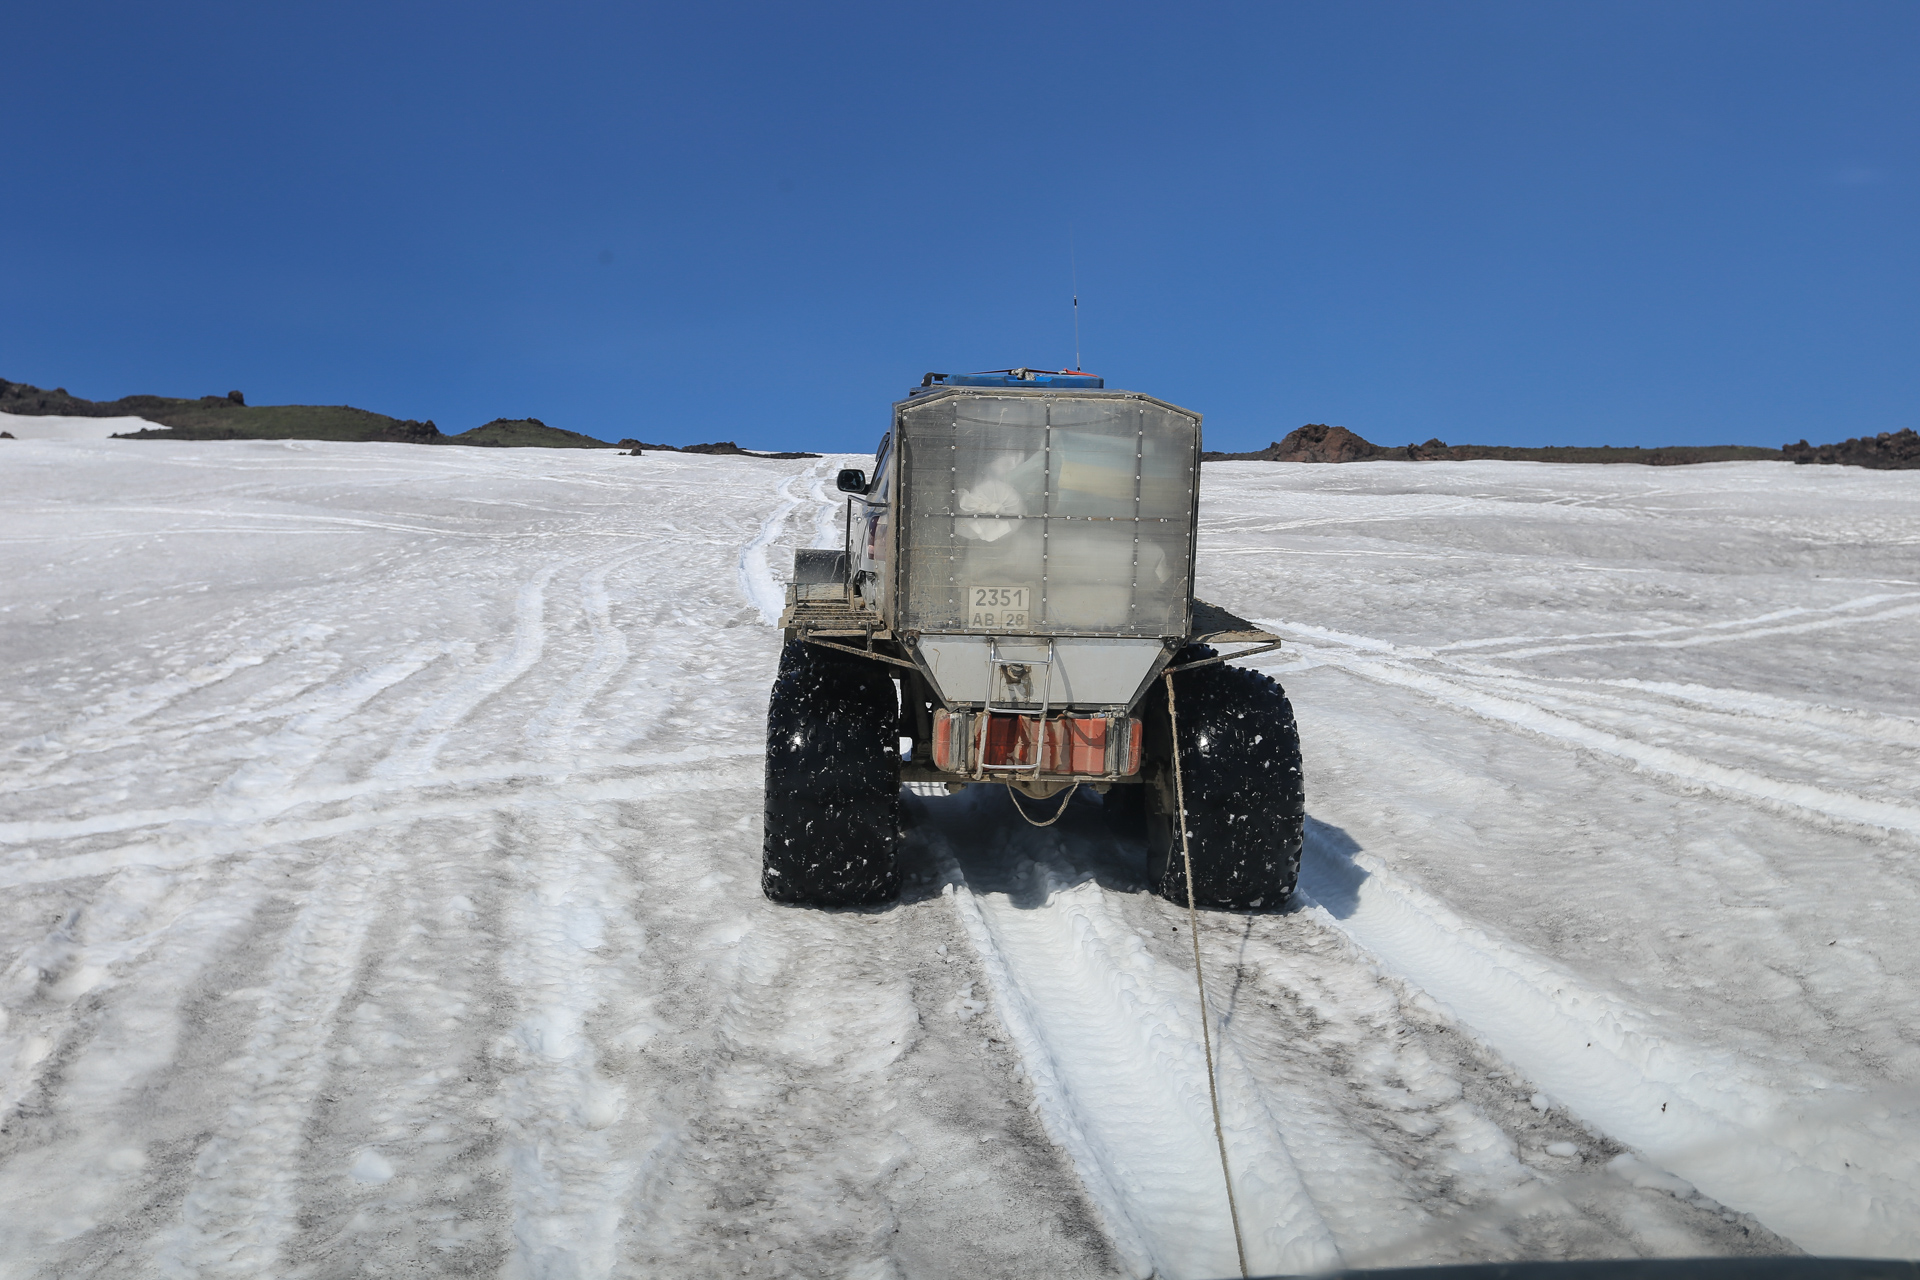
pixel 1084 746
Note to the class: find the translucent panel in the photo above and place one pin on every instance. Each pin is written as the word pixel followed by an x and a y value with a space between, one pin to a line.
pixel 1167 465
pixel 1090 574
pixel 1084 503
pixel 1099 579
pixel 1160 596
pixel 1096 465
pixel 999 466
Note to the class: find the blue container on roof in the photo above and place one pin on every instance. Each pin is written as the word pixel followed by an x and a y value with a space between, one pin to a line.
pixel 1031 379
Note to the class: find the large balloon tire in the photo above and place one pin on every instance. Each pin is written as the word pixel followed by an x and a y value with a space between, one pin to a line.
pixel 833 781
pixel 1240 773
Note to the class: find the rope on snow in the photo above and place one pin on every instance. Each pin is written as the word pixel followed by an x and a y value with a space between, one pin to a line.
pixel 1015 797
pixel 1193 930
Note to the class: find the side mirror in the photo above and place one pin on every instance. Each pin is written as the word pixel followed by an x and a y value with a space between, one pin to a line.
pixel 852 481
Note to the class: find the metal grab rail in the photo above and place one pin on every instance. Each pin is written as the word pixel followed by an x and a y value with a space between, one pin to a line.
pixel 980 766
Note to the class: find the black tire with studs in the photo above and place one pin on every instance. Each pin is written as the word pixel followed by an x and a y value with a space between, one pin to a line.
pixel 1240 770
pixel 833 781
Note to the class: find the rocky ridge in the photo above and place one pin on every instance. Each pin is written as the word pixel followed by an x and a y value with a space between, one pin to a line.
pixel 230 417
pixel 1888 451
pixel 1318 442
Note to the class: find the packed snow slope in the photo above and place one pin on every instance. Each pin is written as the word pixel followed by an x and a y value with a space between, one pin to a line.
pixel 380 844
pixel 55 427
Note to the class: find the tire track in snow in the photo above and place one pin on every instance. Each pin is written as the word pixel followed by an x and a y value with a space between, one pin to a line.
pixel 1522 701
pixel 104 1095
pixel 1739 1131
pixel 311 684
pixel 39 830
pixel 832 507
pixel 154 742
pixel 757 582
pixel 569 1181
pixel 1111 1042
pixel 1742 784
pixel 1772 716
pixel 1406 507
pixel 1355 1118
pixel 552 729
pixel 265 786
pixel 122 710
pixel 241 1206
pixel 151 937
pixel 1465 655
pixel 400 1171
pixel 1463 652
pixel 1846 613
pixel 420 746
pixel 700 771
pixel 782 1152
pixel 1852 752
pixel 315 1029
pixel 812 1121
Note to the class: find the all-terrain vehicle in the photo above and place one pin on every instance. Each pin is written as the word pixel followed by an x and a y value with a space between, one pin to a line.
pixel 1015 587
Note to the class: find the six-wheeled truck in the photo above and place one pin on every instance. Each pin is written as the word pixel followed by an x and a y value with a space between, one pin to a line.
pixel 1015 590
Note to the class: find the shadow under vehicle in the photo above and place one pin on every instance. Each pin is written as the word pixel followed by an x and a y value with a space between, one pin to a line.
pixel 1013 605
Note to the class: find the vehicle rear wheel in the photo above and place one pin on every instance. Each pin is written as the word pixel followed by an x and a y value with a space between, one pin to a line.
pixel 1240 771
pixel 833 781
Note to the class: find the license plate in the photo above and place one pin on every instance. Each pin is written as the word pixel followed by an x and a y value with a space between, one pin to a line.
pixel 997 608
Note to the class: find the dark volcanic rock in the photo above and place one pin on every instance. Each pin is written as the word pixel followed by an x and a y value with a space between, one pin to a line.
pixel 31 401
pixel 226 417
pixel 408 431
pixel 525 433
pixel 229 417
pixel 1675 455
pixel 1888 451
pixel 1315 442
pixel 216 418
pixel 723 447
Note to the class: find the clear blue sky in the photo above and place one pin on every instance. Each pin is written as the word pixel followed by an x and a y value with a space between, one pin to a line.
pixel 1500 223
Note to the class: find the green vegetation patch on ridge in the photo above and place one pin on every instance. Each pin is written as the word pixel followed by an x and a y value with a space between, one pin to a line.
pixel 525 433
pixel 227 417
pixel 204 421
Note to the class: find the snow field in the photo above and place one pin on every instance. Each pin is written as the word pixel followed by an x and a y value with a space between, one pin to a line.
pixel 56 427
pixel 1840 1180
pixel 1347 1109
pixel 1118 1067
pixel 426 934
pixel 381 854
pixel 1756 999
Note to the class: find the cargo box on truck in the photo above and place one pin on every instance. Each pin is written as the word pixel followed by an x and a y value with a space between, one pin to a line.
pixel 1015 587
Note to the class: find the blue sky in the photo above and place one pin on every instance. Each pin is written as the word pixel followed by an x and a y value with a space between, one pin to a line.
pixel 1538 223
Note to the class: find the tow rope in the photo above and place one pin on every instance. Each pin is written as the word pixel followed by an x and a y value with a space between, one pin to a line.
pixel 1193 930
pixel 1015 797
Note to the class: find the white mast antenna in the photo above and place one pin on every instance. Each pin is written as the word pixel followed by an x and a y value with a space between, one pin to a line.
pixel 1074 266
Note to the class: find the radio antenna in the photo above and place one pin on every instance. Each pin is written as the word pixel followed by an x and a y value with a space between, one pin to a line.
pixel 1073 265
